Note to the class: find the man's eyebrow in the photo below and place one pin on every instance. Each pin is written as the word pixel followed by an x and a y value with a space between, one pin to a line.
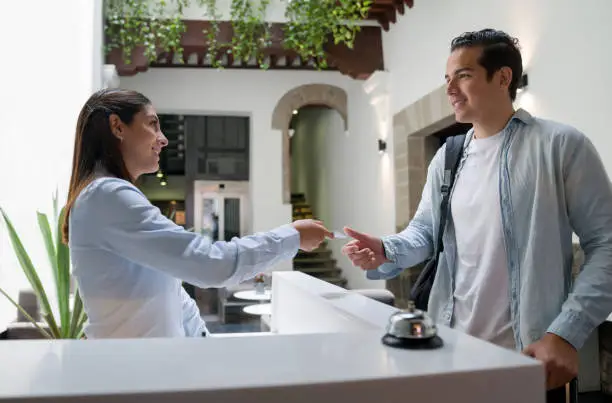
pixel 459 70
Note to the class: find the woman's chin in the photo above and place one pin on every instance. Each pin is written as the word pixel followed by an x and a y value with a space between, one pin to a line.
pixel 153 168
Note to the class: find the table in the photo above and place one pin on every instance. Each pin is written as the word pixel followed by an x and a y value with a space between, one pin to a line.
pixel 252 295
pixel 258 309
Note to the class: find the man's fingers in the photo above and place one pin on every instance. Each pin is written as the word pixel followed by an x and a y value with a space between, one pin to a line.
pixel 359 236
pixel 365 262
pixel 528 351
pixel 367 252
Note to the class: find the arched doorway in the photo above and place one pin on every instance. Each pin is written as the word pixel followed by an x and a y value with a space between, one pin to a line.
pixel 313 114
pixel 305 95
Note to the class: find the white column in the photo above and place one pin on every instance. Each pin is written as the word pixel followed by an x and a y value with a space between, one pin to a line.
pixel 110 77
pixel 51 63
pixel 377 87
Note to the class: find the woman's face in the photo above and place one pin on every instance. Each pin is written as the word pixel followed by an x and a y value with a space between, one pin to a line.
pixel 141 141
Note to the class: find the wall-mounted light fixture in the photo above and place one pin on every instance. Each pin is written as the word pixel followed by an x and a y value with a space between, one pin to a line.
pixel 382 146
pixel 523 83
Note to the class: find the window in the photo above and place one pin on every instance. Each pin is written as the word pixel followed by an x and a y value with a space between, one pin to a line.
pixel 218 147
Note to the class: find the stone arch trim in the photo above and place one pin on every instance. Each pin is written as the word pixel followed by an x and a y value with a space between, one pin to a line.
pixel 304 95
pixel 309 94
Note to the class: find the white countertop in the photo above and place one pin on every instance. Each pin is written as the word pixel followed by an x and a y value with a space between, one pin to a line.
pixel 325 346
pixel 34 369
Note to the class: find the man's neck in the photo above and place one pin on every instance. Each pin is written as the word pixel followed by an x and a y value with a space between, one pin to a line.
pixel 493 123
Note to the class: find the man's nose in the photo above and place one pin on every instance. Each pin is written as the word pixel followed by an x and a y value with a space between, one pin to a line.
pixel 451 87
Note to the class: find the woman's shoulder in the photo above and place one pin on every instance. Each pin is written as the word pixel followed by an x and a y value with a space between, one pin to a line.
pixel 106 192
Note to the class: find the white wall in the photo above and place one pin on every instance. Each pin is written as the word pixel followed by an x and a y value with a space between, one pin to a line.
pixel 314 162
pixel 326 166
pixel 255 93
pixel 565 45
pixel 47 75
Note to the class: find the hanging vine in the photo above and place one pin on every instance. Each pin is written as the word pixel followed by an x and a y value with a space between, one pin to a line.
pixel 251 32
pixel 156 26
pixel 151 25
pixel 311 22
pixel 212 34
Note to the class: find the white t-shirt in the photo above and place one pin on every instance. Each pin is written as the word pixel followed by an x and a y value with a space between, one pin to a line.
pixel 482 303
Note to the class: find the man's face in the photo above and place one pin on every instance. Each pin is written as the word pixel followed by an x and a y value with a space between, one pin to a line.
pixel 469 91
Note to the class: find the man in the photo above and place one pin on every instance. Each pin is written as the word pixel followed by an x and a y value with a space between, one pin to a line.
pixel 522 186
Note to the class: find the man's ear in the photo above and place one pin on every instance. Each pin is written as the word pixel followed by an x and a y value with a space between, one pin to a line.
pixel 505 76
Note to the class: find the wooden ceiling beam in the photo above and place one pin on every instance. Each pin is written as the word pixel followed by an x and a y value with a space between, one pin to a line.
pixel 385 11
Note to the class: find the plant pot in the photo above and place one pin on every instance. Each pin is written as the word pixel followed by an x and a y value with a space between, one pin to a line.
pixel 260 288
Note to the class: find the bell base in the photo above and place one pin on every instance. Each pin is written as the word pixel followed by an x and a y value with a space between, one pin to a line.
pixel 412 344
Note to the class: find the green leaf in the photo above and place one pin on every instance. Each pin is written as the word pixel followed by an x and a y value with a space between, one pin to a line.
pixel 45 230
pixel 25 313
pixel 78 317
pixel 30 272
pixel 63 278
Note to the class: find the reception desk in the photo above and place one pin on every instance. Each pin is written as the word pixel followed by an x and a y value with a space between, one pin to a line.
pixel 324 347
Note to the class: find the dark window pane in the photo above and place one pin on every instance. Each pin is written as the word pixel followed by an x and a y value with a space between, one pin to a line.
pixel 231 219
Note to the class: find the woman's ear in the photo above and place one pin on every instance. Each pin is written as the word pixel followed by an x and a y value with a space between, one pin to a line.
pixel 115 126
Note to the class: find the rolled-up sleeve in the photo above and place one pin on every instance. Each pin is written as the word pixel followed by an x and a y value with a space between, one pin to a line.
pixel 415 243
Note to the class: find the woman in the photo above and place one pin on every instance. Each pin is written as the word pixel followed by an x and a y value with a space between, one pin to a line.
pixel 130 260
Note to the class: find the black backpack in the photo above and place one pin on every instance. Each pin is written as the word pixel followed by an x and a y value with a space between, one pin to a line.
pixel 422 287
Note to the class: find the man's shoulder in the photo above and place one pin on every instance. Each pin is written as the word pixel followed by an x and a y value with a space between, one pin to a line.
pixel 553 130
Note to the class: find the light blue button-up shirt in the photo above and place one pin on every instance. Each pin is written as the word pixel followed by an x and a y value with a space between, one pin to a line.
pixel 552 182
pixel 129 262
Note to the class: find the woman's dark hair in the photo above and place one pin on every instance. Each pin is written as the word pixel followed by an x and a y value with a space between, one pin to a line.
pixel 95 146
pixel 498 50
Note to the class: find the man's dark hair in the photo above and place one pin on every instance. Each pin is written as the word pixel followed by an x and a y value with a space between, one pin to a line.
pixel 498 50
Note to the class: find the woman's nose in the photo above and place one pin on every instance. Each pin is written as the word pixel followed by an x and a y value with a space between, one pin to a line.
pixel 163 140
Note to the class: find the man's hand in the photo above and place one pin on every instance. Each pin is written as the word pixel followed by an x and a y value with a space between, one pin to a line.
pixel 312 233
pixel 559 357
pixel 365 251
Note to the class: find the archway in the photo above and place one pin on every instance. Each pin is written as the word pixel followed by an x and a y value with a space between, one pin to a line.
pixel 305 95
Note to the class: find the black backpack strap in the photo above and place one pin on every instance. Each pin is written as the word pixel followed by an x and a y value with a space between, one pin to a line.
pixel 454 149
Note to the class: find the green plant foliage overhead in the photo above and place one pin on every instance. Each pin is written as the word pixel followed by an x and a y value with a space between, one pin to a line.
pixel 310 23
pixel 155 26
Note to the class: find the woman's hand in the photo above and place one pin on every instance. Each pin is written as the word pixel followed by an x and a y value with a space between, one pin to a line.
pixel 312 233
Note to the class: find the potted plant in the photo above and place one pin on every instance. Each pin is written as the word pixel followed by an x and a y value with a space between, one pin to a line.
pixel 260 284
pixel 71 315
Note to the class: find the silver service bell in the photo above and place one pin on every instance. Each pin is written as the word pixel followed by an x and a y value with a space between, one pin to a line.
pixel 411 324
